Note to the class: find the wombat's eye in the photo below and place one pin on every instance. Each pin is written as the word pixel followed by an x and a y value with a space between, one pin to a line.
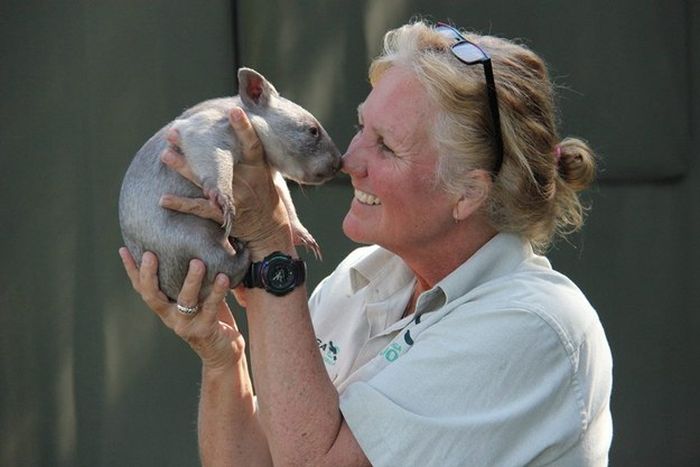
pixel 314 131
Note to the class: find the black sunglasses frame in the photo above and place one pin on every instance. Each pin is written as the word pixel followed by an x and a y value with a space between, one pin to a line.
pixel 490 87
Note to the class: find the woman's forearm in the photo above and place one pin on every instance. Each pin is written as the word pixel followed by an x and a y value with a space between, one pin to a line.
pixel 229 432
pixel 298 403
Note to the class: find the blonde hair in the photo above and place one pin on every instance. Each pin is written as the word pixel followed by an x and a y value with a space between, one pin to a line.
pixel 535 191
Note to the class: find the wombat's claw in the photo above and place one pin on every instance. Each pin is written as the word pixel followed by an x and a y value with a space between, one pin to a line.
pixel 229 214
pixel 304 238
pixel 225 203
pixel 237 245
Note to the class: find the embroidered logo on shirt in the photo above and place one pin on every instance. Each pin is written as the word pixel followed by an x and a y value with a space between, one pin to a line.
pixel 329 351
pixel 392 352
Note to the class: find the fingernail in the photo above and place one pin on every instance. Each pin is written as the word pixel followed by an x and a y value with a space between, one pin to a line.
pixel 195 265
pixel 165 199
pixel 236 114
pixel 167 156
pixel 172 135
pixel 147 259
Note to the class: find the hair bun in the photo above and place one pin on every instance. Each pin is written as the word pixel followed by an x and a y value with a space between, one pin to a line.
pixel 577 163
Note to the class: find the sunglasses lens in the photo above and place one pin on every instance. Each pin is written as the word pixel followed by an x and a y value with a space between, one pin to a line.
pixel 469 53
pixel 449 32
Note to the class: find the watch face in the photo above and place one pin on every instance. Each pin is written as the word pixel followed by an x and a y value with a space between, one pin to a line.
pixel 280 275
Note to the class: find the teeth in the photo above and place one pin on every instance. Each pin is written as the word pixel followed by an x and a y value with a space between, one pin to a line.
pixel 365 198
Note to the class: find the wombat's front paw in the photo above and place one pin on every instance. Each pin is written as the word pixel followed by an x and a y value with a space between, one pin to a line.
pixel 304 238
pixel 225 202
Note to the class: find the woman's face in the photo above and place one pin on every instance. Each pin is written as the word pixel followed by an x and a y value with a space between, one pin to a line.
pixel 392 162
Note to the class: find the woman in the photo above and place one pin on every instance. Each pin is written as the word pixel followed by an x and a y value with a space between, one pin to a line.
pixel 449 341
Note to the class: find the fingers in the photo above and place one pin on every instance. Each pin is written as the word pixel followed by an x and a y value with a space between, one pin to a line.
pixel 214 304
pixel 130 266
pixel 148 274
pixel 211 305
pixel 212 333
pixel 148 284
pixel 172 157
pixel 200 207
pixel 253 153
pixel 224 315
pixel 189 294
pixel 172 136
pixel 144 280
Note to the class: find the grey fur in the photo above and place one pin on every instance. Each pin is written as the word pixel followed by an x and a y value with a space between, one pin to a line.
pixel 292 147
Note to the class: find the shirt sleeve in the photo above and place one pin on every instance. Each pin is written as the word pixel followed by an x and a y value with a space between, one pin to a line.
pixel 489 388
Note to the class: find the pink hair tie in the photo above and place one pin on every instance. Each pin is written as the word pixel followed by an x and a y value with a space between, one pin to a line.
pixel 557 153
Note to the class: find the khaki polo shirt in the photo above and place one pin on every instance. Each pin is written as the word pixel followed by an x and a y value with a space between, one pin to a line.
pixel 504 363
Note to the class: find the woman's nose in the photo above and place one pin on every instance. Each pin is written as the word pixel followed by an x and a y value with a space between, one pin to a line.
pixel 353 162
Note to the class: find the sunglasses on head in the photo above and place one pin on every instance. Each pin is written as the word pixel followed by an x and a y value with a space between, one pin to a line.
pixel 471 54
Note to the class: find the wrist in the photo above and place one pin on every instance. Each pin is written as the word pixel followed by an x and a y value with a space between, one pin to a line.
pixel 222 371
pixel 218 369
pixel 222 356
pixel 233 373
pixel 279 240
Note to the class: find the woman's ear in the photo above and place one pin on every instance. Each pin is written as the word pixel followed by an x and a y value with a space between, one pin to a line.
pixel 474 196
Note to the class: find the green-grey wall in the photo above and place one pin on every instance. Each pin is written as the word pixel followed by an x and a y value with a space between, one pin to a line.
pixel 89 377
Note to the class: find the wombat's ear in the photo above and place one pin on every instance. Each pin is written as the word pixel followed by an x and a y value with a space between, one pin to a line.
pixel 254 89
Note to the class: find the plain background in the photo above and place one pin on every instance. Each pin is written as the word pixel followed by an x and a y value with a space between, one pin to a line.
pixel 89 377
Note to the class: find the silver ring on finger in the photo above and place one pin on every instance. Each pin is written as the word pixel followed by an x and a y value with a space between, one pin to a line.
pixel 188 310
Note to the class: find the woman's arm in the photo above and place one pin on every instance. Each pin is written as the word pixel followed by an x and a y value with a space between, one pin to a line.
pixel 229 432
pixel 299 407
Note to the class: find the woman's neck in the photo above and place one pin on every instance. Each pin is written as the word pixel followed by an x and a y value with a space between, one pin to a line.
pixel 433 263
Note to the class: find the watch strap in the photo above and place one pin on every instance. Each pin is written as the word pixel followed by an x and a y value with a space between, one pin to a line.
pixel 252 276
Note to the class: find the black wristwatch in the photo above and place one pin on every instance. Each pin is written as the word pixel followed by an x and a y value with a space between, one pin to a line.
pixel 278 274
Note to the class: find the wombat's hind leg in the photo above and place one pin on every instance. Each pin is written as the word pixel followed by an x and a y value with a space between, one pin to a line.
pixel 301 235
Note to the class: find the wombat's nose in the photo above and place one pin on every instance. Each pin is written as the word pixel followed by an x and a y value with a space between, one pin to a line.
pixel 335 168
pixel 329 171
pixel 338 164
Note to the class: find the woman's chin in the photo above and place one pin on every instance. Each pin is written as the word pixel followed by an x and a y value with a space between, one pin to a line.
pixel 355 230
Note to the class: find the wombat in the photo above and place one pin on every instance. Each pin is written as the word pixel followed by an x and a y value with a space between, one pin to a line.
pixel 296 145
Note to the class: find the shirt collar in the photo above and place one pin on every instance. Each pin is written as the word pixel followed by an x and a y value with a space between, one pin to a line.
pixel 498 257
pixel 380 264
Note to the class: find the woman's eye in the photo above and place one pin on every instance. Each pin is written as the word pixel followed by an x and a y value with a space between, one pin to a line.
pixel 359 127
pixel 384 148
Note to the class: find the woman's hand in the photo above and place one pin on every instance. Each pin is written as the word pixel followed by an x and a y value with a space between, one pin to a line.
pixel 261 218
pixel 211 332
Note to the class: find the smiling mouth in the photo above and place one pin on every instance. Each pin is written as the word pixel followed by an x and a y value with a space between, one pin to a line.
pixel 366 198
